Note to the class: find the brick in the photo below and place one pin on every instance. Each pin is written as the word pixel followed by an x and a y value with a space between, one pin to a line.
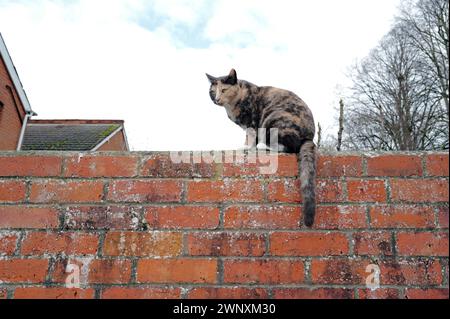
pixel 404 216
pixel 437 165
pixel 23 270
pixel 53 293
pixel 66 191
pixel 226 244
pixel 40 243
pixel 284 191
pixel 182 217
pixel 192 271
pixel 137 244
pixel 340 217
pixel 8 243
pixel 308 244
pixel 329 191
pixel 394 165
pixel 423 244
pixel 429 190
pixel 427 293
pixel 145 191
pixel 264 272
pixel 12 191
pixel 419 272
pixel 95 271
pixel 162 166
pixel 102 217
pixel 225 191
pixel 3 294
pixel 381 293
pixel 319 293
pixel 262 217
pixel 36 166
pixel 339 166
pixel 339 271
pixel 366 191
pixel 373 243
pixel 25 217
pixel 276 164
pixel 228 293
pixel 443 216
pixel 101 166
pixel 141 293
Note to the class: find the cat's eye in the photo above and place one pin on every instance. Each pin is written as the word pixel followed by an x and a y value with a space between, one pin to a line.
pixel 223 90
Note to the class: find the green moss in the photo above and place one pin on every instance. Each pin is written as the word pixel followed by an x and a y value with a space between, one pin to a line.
pixel 108 131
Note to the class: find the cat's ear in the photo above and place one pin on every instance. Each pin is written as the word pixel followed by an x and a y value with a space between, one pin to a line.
pixel 211 79
pixel 232 78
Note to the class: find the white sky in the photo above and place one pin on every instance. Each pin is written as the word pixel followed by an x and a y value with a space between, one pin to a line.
pixel 145 61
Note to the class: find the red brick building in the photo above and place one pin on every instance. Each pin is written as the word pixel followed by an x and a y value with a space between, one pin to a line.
pixel 18 131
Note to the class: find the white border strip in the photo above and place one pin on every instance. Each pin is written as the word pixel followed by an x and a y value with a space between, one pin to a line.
pixel 106 140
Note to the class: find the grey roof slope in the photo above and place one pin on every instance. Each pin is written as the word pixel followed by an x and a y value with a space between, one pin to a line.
pixel 66 137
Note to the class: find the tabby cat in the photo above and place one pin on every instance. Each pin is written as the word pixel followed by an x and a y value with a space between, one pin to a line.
pixel 254 107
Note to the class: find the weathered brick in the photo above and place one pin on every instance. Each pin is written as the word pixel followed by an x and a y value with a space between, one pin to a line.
pixel 53 293
pixel 428 190
pixel 373 243
pixel 182 217
pixel 437 165
pixel 8 243
pixel 329 191
pixel 319 293
pixel 94 271
pixel 226 244
pixel 141 293
pixel 423 244
pixel 262 217
pixel 228 293
pixel 101 166
pixel 162 166
pixel 40 243
pixel 366 191
pixel 338 166
pixel 12 191
pixel 394 165
pixel 340 217
pixel 419 272
pixel 308 244
pixel 264 271
pixel 284 191
pixel 225 191
pixel 427 293
pixel 54 191
pixel 18 217
pixel 3 294
pixel 193 271
pixel 404 216
pixel 102 217
pixel 35 166
pixel 339 271
pixel 145 191
pixel 23 270
pixel 149 244
pixel 278 165
pixel 381 293
pixel 443 216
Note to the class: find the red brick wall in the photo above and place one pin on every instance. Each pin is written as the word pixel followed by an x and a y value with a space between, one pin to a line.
pixel 117 143
pixel 143 227
pixel 10 121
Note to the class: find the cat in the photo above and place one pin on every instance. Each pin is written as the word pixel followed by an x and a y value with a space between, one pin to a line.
pixel 254 107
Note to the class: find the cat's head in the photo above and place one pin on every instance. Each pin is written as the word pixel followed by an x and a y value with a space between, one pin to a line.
pixel 224 90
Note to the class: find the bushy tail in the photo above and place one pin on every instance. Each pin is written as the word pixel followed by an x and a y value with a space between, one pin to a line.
pixel 308 181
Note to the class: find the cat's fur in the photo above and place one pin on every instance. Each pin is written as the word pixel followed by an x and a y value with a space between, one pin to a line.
pixel 254 107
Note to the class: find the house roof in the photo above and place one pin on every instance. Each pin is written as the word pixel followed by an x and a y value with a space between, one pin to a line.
pixel 68 135
pixel 14 76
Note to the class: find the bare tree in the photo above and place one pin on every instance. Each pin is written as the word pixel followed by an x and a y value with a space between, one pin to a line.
pixel 426 24
pixel 341 125
pixel 391 105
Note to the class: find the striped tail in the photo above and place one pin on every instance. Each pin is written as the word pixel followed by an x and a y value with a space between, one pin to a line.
pixel 308 181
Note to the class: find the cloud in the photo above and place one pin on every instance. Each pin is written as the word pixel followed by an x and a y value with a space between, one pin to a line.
pixel 144 61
